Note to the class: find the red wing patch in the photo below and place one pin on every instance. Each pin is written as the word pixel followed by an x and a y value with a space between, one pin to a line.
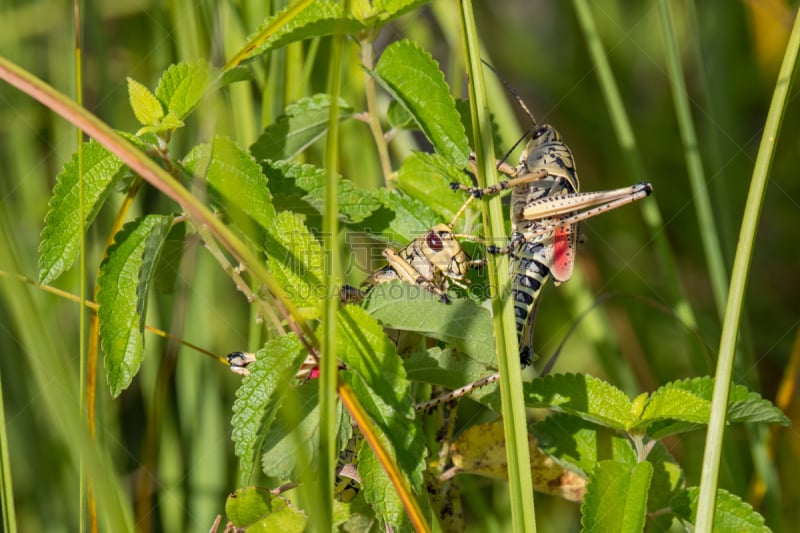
pixel 564 238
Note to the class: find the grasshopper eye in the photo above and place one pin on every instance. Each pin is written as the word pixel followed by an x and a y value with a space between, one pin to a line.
pixel 538 133
pixel 435 242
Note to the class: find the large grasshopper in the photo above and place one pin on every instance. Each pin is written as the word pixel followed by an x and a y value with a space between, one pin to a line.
pixel 546 209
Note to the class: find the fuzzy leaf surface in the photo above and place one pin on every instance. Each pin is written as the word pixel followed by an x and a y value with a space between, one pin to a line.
pixel 616 498
pixel 297 261
pixel 60 240
pixel 462 323
pixel 260 396
pixel 732 514
pixel 587 397
pixel 182 86
pixel 259 511
pixel 413 78
pixel 123 284
pixel 302 123
pixel 146 107
pixel 236 184
pixel 301 188
pixel 319 19
pixel 378 379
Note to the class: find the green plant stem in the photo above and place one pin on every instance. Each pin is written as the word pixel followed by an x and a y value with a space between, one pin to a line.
pixel 322 518
pixel 514 423
pixel 741 266
pixel 373 117
pixel 627 140
pixel 7 494
pixel 697 180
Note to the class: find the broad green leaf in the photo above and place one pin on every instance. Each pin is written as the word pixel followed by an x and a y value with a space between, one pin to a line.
pixel 302 123
pixel 399 118
pixel 446 368
pixel 667 489
pixel 182 86
pixel 579 444
pixel 409 218
pixel 235 183
pixel 462 323
pixel 60 240
pixel 413 78
pixel 259 511
pixel 301 188
pixel 260 395
pixel 731 515
pixel 616 499
pixel 171 254
pixel 122 289
pixel 386 10
pixel 581 395
pixel 380 493
pixel 293 437
pixel 146 107
pixel 298 263
pixel 427 178
pixel 378 379
pixel 319 19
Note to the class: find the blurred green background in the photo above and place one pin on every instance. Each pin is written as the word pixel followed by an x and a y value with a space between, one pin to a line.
pixel 631 333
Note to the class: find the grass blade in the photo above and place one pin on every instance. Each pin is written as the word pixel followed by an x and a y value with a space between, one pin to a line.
pixel 741 267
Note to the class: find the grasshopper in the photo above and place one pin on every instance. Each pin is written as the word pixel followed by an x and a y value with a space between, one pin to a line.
pixel 546 209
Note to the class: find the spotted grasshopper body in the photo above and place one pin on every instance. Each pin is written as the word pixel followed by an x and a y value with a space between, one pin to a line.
pixel 546 209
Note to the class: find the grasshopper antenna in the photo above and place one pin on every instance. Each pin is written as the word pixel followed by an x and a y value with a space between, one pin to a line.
pixel 513 92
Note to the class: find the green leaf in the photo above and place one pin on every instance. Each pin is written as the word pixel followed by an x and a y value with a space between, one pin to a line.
pixel 294 435
pixel 616 498
pixel 386 10
pixel 146 107
pixel 259 511
pixel 182 86
pixel 260 396
pixel 122 287
pixel 667 489
pixel 171 254
pixel 298 263
pixel 407 218
pixel 581 395
pixel 235 183
pixel 427 178
pixel 235 75
pixel 380 493
pixel 446 368
pixel 579 445
pixel 302 123
pixel 378 379
pixel 462 323
pixel 319 19
pixel 301 188
pixel 398 117
pixel 60 240
pixel 731 514
pixel 413 78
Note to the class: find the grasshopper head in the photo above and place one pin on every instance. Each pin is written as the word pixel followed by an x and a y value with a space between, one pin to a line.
pixel 443 250
pixel 544 134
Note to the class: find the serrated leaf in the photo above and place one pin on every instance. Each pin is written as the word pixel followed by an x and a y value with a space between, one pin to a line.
pixel 380 493
pixel 581 395
pixel 302 123
pixel 579 444
pixel 413 78
pixel 294 435
pixel 616 498
pixel 182 86
pixel 236 184
pixel 122 286
pixel 298 263
pixel 731 514
pixel 318 19
pixel 377 377
pixel 386 10
pixel 60 240
pixel 260 396
pixel 427 178
pixel 146 107
pixel 462 323
pixel 685 405
pixel 171 254
pixel 259 511
pixel 301 188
